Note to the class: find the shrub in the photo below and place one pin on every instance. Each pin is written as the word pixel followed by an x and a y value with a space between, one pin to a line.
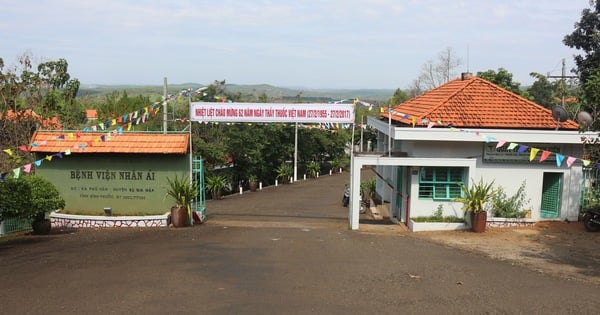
pixel 29 197
pixel 438 217
pixel 15 201
pixel 45 197
pixel 510 207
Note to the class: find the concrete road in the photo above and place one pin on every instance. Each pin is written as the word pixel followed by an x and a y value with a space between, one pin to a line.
pixel 283 250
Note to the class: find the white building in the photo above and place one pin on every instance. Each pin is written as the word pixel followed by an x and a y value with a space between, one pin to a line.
pixel 466 130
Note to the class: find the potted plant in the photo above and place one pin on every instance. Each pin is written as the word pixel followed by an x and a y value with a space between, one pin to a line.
pixel 284 172
pixel 368 189
pixel 313 168
pixel 183 191
pixel 216 184
pixel 474 199
pixel 336 165
pixel 252 182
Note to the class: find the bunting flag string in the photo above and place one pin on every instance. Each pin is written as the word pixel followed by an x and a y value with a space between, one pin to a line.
pixel 520 147
pixel 142 115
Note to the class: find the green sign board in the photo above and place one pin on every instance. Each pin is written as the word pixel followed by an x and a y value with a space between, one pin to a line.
pixel 129 184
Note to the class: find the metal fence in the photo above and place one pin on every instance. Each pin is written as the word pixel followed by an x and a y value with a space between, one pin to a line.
pixel 590 188
pixel 199 203
pixel 14 225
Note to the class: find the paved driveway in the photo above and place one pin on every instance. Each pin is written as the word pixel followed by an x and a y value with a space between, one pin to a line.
pixel 283 250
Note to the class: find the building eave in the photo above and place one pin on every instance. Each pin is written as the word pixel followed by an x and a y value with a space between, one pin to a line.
pixel 478 134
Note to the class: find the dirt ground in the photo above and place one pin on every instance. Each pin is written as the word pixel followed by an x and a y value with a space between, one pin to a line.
pixel 288 250
pixel 561 249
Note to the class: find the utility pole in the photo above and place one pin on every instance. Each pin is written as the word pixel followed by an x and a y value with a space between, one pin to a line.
pixel 389 131
pixel 562 77
pixel 296 153
pixel 361 133
pixel 165 116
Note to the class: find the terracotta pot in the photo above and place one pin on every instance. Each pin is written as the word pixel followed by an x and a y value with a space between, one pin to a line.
pixel 478 221
pixel 252 186
pixel 179 216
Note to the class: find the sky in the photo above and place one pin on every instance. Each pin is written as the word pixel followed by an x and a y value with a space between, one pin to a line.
pixel 346 44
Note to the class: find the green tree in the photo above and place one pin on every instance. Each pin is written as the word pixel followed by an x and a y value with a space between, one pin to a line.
pixel 45 89
pixel 399 97
pixel 263 98
pixel 16 82
pixel 585 39
pixel 542 91
pixel 502 78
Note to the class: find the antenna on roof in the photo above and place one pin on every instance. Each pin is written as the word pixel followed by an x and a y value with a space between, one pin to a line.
pixel 559 114
pixel 467 57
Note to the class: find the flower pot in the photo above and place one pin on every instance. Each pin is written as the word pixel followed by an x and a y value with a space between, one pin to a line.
pixel 41 227
pixel 252 186
pixel 478 221
pixel 179 216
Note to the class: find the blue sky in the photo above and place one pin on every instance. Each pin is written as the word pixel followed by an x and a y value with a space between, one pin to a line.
pixel 312 44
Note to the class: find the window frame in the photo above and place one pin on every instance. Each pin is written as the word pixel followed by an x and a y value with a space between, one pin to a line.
pixel 440 182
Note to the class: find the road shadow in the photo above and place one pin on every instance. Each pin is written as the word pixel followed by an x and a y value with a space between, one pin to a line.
pixel 568 244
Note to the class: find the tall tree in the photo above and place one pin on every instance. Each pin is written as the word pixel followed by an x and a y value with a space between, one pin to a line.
pixel 542 91
pixel 437 72
pixel 503 78
pixel 26 92
pixel 585 37
pixel 398 98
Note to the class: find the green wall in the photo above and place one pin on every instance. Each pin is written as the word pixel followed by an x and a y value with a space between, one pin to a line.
pixel 131 184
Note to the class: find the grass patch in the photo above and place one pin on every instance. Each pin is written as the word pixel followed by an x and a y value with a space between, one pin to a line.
pixel 432 218
pixel 438 217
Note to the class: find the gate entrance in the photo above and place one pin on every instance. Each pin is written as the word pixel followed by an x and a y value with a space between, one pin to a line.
pixel 199 203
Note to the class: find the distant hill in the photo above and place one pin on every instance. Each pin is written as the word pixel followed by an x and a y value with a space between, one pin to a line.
pixel 248 91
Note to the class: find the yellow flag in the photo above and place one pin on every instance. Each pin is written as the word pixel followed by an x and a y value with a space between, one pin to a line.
pixel 8 151
pixel 533 153
pixel 49 157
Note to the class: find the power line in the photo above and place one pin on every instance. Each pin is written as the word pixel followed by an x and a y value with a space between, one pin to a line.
pixel 562 77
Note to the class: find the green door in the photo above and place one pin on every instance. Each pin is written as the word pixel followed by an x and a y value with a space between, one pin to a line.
pixel 551 188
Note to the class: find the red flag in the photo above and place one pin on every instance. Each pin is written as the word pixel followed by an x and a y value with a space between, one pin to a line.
pixel 545 155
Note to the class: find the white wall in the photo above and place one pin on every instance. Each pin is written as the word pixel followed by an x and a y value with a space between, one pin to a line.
pixel 508 175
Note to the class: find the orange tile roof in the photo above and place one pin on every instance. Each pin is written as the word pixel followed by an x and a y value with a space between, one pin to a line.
pixel 92 142
pixel 476 103
pixel 91 113
pixel 48 123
